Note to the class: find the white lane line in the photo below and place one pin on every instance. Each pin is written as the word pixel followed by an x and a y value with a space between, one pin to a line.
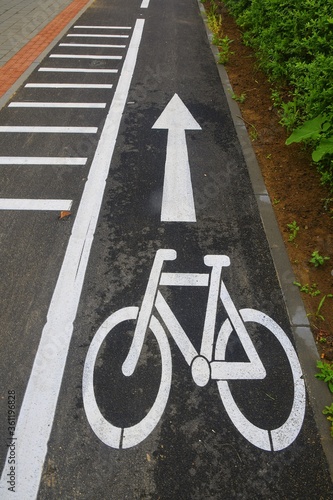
pixel 36 415
pixel 30 104
pixel 145 4
pixel 86 56
pixel 78 70
pixel 22 204
pixel 92 45
pixel 48 130
pixel 69 85
pixel 104 27
pixel 41 160
pixel 96 36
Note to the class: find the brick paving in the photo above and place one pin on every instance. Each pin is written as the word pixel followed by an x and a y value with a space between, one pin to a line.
pixel 36 21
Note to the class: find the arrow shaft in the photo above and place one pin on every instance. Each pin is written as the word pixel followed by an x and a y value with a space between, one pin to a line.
pixel 177 200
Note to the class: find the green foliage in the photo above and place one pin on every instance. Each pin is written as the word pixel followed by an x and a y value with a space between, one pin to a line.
pixel 293 41
pixel 214 21
pixel 325 373
pixel 328 410
pixel 321 303
pixel 293 229
pixel 224 49
pixel 317 259
pixel 311 290
pixel 319 130
pixel 239 98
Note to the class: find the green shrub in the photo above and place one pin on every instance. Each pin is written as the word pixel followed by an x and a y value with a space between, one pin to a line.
pixel 293 40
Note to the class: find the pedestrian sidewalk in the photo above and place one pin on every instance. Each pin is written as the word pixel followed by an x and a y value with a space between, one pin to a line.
pixel 26 30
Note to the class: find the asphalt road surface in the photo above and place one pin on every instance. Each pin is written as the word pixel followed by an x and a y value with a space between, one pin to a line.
pixel 130 232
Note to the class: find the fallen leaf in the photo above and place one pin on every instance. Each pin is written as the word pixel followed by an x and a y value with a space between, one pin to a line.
pixel 64 214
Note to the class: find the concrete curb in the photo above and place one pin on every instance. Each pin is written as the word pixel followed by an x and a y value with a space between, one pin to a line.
pixel 9 93
pixel 319 395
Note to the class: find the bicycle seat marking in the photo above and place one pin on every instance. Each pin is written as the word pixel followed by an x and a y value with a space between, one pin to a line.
pixel 208 364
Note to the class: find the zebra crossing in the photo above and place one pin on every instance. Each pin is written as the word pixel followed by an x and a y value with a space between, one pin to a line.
pixel 93 67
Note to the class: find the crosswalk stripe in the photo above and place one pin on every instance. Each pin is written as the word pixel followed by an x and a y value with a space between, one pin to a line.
pixel 36 104
pixel 78 70
pixel 69 85
pixel 41 160
pixel 29 204
pixel 49 130
pixel 84 56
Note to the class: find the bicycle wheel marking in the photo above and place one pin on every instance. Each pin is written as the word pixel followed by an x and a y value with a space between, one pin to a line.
pixel 33 428
pixel 280 438
pixel 118 437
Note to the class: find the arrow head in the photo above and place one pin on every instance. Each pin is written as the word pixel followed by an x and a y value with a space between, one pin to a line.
pixel 176 116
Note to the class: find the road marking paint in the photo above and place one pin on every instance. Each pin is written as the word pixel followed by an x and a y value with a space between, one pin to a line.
pixel 38 407
pixel 88 56
pixel 145 4
pixel 92 45
pixel 78 70
pixel 177 200
pixel 69 86
pixel 28 204
pixel 41 160
pixel 48 130
pixel 104 27
pixel 97 36
pixel 30 104
pixel 184 279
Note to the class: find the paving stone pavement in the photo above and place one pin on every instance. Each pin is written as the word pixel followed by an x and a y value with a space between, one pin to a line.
pixel 21 20
pixel 27 27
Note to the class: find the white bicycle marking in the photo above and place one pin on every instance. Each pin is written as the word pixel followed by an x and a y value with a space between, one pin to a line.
pixel 208 364
pixel 34 426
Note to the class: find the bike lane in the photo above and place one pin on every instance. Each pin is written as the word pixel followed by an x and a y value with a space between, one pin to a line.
pixel 195 451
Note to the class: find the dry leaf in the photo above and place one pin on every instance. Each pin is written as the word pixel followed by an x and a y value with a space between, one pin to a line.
pixel 64 214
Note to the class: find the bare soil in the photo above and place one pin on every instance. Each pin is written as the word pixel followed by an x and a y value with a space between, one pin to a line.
pixel 292 182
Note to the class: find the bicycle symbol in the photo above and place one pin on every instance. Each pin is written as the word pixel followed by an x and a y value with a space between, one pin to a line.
pixel 209 364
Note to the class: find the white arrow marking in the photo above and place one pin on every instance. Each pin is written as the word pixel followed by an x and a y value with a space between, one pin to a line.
pixel 177 200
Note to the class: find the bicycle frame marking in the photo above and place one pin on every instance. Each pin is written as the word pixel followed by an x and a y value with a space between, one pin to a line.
pixel 204 367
